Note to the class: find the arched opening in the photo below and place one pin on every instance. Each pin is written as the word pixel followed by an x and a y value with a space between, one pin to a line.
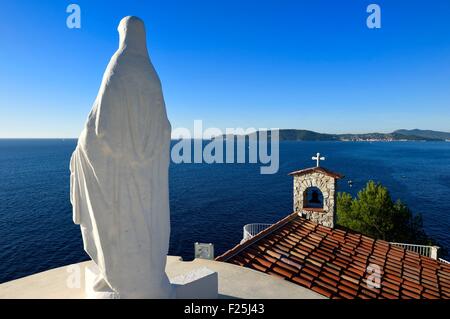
pixel 313 198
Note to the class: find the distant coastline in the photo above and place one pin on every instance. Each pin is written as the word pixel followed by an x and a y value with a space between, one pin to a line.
pixel 415 135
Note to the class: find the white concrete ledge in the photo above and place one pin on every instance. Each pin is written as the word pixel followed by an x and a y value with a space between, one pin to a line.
pixel 234 282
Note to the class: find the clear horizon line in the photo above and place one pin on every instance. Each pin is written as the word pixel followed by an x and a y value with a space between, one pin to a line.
pixel 298 129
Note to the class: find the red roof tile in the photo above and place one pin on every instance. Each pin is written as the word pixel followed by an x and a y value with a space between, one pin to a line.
pixel 333 262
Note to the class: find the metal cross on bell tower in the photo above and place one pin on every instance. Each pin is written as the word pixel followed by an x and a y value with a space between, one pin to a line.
pixel 318 159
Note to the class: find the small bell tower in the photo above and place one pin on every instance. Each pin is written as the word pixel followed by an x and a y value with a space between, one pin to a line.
pixel 315 193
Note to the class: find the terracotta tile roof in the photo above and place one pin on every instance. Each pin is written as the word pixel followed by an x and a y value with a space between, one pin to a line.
pixel 333 262
pixel 322 170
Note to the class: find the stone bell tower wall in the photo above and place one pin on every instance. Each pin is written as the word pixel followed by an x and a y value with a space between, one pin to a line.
pixel 325 216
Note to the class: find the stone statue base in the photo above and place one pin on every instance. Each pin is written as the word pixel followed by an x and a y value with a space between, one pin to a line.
pixel 200 283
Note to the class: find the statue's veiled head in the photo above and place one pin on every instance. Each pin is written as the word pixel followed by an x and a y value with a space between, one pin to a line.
pixel 132 35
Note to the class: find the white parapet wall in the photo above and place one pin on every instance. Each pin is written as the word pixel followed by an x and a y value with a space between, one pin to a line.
pixel 233 282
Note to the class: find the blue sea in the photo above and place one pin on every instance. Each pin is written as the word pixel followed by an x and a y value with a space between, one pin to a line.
pixel 209 202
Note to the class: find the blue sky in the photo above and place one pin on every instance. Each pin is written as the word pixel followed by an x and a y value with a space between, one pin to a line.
pixel 263 64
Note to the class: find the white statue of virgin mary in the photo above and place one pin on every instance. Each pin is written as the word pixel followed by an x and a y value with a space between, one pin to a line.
pixel 119 174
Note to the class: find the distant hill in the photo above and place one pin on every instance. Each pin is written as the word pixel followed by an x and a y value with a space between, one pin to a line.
pixel 299 135
pixel 399 135
pixel 426 134
pixel 305 135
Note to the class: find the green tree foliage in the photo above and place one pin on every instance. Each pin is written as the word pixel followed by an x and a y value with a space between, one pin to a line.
pixel 375 214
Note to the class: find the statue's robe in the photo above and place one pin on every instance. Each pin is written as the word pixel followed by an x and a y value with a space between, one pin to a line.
pixel 119 173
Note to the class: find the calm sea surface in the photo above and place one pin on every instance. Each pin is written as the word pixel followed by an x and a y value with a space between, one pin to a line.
pixel 209 203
